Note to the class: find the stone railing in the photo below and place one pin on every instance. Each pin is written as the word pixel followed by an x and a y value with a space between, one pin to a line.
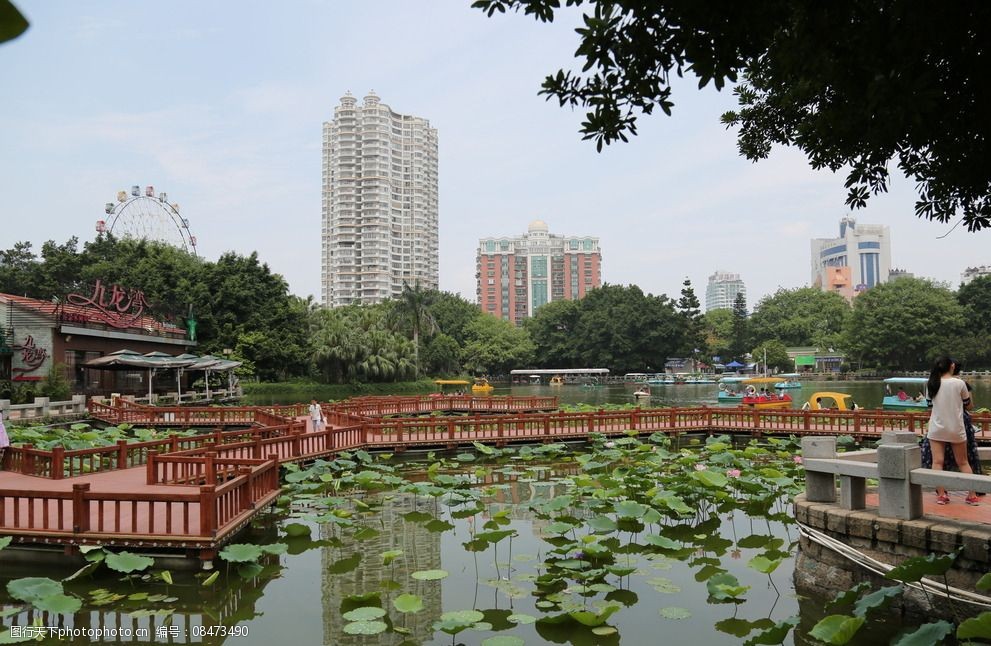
pixel 43 407
pixel 896 465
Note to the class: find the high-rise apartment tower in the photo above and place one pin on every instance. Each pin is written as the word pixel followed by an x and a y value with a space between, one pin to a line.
pixel 379 203
pixel 721 291
pixel 517 275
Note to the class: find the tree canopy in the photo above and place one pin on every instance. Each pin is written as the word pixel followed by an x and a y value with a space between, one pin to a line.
pixel 800 317
pixel 903 324
pixel 853 85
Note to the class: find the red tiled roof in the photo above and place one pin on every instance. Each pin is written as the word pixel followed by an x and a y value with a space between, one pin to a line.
pixel 90 314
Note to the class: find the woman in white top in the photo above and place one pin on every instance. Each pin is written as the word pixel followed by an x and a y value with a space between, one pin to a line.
pixel 949 397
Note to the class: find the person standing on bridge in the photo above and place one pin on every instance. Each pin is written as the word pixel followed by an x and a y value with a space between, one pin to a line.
pixel 316 416
pixel 4 440
pixel 950 398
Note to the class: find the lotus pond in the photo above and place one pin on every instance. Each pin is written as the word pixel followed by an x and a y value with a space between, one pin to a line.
pixel 629 540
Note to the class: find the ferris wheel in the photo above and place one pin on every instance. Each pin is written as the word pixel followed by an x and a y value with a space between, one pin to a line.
pixel 147 216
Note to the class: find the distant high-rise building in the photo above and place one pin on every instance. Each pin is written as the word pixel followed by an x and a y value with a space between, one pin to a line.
pixel 721 291
pixel 379 203
pixel 858 259
pixel 970 273
pixel 515 276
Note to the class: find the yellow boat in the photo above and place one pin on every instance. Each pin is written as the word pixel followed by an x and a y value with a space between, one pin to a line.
pixel 556 380
pixel 822 400
pixel 482 385
pixel 769 399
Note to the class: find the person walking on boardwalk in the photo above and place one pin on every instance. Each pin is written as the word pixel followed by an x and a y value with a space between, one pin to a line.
pixel 316 416
pixel 950 398
pixel 4 440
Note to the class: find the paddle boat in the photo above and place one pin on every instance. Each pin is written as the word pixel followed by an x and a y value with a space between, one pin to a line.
pixel 556 380
pixel 642 394
pixel 754 398
pixel 661 379
pixel 790 381
pixel 905 393
pixel 731 389
pixel 827 400
pixel 482 386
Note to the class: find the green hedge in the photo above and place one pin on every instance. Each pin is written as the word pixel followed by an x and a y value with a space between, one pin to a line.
pixel 300 391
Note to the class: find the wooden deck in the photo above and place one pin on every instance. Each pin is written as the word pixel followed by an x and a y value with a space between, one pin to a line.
pixel 194 493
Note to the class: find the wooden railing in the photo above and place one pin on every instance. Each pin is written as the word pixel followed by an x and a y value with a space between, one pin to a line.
pixel 379 406
pixel 208 512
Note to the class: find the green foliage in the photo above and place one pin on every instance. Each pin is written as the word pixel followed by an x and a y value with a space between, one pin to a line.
pixel 805 316
pixel 717 330
pixel 495 346
pixel 837 629
pixel 878 93
pixel 12 23
pixel 902 324
pixel 356 344
pixel 978 627
pixel 934 633
pixel 776 356
pixel 127 562
pixel 614 326
pixel 693 338
pixel 411 311
pixel 740 339
pixel 55 385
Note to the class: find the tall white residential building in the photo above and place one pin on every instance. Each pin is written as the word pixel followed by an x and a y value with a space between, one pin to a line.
pixel 722 289
pixel 858 259
pixel 379 203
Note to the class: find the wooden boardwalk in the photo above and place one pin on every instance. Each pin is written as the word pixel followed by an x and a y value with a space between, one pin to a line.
pixel 194 493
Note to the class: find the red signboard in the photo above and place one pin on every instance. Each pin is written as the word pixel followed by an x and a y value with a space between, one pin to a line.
pixel 117 307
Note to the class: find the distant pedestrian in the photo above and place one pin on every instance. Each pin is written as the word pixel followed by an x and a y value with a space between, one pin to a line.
pixel 316 416
pixel 4 440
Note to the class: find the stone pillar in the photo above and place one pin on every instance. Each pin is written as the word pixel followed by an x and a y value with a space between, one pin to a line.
pixel 5 408
pixel 79 403
pixel 45 404
pixel 819 487
pixel 896 457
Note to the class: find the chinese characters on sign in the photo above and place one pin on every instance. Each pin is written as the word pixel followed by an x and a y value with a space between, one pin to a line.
pixel 116 306
pixel 32 357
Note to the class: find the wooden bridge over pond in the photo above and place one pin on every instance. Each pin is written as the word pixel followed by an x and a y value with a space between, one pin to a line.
pixel 193 493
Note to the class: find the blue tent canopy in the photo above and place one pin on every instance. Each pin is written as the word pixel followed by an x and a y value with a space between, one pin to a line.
pixel 734 364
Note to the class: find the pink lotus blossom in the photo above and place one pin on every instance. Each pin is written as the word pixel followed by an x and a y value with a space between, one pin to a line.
pixel 733 473
pixel 797 459
pixel 700 467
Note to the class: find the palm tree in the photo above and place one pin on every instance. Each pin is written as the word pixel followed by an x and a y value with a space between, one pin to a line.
pixel 412 311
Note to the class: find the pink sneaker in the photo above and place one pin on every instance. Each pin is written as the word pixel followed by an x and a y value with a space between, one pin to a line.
pixel 972 500
pixel 942 500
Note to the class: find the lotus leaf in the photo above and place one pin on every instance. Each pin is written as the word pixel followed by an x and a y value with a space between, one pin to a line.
pixel 5 541
pixel 390 555
pixel 345 565
pixel 430 575
pixel 671 612
pixel 592 618
pixel 877 599
pixel 365 613
pixel 837 629
pixel 365 627
pixel 408 603
pixel 630 509
pixel 241 553
pixel 776 634
pixel 934 633
pixel 127 562
pixel 503 640
pixel 58 604
pixel 978 627
pixel 210 579
pixel 297 529
pixel 30 589
pixel 913 569
pixel 763 564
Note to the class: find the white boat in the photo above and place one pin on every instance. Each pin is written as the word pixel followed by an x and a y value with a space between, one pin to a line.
pixel 731 389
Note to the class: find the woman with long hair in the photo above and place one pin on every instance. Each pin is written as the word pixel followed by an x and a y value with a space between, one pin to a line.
pixel 950 398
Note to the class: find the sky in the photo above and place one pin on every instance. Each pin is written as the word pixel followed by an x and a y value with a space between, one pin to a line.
pixel 221 104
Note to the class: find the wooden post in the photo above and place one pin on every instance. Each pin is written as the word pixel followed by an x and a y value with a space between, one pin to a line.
pixel 175 442
pixel 450 429
pixel 547 425
pixel 151 475
pixel 209 469
pixel 256 449
pixel 247 497
pixel 856 427
pixel 208 515
pixel 121 454
pixel 80 508
pixel 58 459
pixel 296 443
